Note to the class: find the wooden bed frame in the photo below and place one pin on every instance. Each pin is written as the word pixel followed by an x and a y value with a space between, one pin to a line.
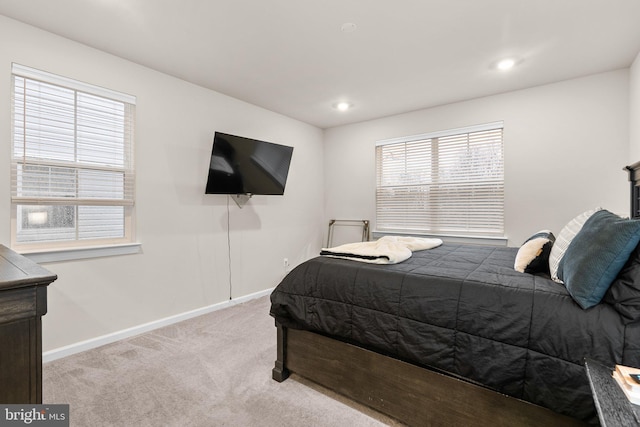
pixel 411 394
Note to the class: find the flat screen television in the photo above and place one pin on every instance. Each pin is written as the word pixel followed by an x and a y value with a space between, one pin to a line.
pixel 242 165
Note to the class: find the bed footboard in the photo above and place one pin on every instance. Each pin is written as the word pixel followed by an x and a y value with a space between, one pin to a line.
pixel 411 394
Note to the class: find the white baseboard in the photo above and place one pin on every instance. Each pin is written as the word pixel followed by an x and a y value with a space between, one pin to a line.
pixel 81 346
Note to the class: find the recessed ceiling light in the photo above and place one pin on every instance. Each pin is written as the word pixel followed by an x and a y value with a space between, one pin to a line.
pixel 343 106
pixel 348 27
pixel 506 64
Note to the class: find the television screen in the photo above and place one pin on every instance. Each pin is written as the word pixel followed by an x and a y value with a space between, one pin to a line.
pixel 242 165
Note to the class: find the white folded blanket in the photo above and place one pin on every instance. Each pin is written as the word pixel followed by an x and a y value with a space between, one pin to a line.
pixel 385 250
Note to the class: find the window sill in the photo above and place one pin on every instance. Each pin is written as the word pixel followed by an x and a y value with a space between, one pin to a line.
pixel 447 238
pixel 57 255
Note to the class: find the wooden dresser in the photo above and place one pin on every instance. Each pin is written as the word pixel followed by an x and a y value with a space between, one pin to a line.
pixel 23 302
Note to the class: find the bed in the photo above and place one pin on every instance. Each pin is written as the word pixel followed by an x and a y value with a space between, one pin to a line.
pixel 455 335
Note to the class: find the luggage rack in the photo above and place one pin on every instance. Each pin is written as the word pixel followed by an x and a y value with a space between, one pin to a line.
pixel 364 223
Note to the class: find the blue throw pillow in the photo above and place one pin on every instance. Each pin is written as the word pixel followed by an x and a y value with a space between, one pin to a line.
pixel 596 255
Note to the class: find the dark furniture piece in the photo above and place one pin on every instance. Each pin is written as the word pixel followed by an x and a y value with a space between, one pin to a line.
pixel 614 409
pixel 409 393
pixel 462 311
pixel 23 301
pixel 634 179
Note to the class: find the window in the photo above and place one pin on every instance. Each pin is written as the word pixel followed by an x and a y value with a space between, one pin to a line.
pixel 446 183
pixel 72 175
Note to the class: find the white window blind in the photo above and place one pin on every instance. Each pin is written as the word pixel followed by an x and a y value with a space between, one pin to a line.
pixel 449 183
pixel 72 171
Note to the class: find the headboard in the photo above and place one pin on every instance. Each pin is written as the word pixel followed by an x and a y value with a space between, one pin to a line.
pixel 634 178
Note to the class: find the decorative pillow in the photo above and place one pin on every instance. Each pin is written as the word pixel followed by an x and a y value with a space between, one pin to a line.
pixel 596 255
pixel 624 292
pixel 533 255
pixel 564 239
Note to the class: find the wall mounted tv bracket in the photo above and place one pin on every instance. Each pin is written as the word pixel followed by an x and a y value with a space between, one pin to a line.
pixel 241 199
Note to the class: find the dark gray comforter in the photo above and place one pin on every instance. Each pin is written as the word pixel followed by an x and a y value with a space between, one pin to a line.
pixel 464 310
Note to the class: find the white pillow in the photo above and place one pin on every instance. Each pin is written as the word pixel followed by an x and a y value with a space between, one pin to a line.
pixel 564 239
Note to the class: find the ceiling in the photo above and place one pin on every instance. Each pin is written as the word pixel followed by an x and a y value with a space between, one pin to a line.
pixel 290 56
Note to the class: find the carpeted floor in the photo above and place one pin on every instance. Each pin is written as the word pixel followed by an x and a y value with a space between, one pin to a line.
pixel 213 370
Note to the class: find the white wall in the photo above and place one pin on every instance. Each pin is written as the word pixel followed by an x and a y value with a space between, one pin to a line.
pixel 565 147
pixel 184 260
pixel 634 111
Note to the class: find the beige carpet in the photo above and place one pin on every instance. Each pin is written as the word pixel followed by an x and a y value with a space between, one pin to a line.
pixel 213 370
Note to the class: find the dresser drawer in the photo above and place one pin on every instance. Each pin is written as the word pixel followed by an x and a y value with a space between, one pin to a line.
pixel 23 302
pixel 17 304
